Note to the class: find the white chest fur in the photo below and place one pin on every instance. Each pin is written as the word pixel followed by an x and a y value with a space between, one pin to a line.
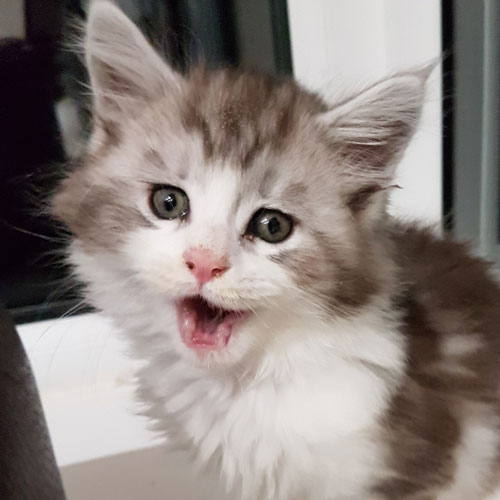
pixel 311 433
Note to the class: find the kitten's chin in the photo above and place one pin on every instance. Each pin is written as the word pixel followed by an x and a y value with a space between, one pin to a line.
pixel 204 327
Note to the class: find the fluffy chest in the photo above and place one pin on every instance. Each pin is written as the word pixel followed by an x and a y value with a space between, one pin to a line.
pixel 315 430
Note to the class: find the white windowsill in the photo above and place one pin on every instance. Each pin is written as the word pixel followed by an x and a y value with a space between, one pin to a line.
pixel 104 449
pixel 86 386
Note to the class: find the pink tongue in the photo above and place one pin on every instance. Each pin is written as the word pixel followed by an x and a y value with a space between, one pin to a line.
pixel 201 326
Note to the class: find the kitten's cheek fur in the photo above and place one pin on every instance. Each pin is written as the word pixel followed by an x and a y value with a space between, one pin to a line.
pixel 156 257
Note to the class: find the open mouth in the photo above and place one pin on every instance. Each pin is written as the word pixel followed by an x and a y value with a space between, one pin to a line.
pixel 204 326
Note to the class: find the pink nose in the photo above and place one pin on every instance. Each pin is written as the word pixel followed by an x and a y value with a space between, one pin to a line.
pixel 204 264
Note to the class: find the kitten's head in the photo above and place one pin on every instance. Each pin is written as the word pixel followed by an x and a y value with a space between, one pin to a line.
pixel 221 208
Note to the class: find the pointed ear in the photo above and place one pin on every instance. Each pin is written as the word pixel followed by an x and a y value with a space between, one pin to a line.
pixel 371 130
pixel 123 66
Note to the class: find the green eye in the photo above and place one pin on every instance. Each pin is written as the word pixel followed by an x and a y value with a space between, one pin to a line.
pixel 169 202
pixel 272 226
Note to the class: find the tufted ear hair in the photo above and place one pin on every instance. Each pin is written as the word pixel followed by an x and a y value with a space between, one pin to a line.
pixel 372 129
pixel 124 68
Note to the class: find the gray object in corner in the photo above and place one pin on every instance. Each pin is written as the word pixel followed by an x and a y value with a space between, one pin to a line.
pixel 28 469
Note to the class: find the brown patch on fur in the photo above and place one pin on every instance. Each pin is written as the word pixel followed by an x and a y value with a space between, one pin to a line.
pixel 448 295
pixel 230 118
pixel 377 155
pixel 285 123
pixel 421 427
pixel 99 216
pixel 355 286
pixel 208 145
pixel 253 151
pixel 191 119
pixel 294 192
pixel 323 271
pixel 448 281
pixel 243 113
pixel 358 200
pixel 112 133
pixel 153 157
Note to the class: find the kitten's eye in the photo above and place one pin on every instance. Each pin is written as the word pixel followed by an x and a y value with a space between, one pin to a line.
pixel 272 226
pixel 169 202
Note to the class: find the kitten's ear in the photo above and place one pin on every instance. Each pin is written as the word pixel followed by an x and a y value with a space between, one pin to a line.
pixel 123 67
pixel 371 130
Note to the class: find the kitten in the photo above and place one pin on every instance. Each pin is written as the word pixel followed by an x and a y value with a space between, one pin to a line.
pixel 234 226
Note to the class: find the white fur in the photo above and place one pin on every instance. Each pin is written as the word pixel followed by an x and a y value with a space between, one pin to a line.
pixel 292 405
pixel 455 346
pixel 454 349
pixel 303 424
pixel 477 450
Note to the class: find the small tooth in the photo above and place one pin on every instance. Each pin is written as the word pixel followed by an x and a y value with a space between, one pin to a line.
pixel 189 324
pixel 222 333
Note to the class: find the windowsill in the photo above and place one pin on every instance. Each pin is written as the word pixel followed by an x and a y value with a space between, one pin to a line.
pixel 86 386
pixel 104 449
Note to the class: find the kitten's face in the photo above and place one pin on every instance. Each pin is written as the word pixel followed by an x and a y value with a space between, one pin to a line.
pixel 223 208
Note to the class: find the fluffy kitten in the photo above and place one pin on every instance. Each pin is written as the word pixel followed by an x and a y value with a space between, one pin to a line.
pixel 234 227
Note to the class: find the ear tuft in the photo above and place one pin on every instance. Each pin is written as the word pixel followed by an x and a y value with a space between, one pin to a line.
pixel 370 131
pixel 123 66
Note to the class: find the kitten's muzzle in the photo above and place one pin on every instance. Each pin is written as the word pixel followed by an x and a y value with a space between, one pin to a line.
pixel 204 264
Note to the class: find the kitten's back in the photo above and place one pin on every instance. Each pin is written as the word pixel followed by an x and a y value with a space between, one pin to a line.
pixel 444 422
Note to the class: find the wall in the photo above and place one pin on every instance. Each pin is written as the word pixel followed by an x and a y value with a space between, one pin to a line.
pixel 12 18
pixel 338 44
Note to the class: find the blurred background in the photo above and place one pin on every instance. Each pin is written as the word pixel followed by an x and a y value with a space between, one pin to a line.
pixel 450 175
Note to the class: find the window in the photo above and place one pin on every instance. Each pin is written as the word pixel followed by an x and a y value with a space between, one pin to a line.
pixel 473 32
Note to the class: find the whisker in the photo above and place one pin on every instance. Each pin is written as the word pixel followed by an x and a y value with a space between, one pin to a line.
pixel 26 231
pixel 67 313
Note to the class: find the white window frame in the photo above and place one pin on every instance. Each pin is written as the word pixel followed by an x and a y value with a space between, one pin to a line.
pixel 351 43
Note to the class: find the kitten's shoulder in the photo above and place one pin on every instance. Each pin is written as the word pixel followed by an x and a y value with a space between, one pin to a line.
pixel 443 268
pixel 450 304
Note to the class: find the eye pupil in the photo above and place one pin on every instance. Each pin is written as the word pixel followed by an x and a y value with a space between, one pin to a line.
pixel 274 225
pixel 170 202
pixel 270 225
